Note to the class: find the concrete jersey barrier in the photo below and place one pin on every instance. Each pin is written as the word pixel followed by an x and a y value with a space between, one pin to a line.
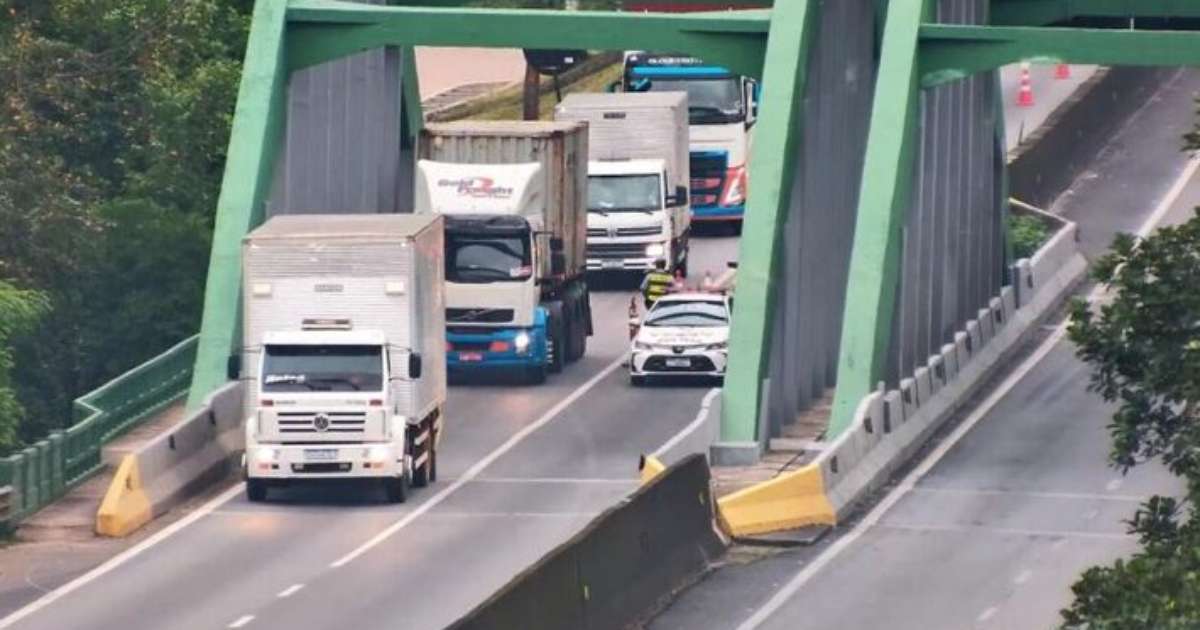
pixel 196 452
pixel 618 567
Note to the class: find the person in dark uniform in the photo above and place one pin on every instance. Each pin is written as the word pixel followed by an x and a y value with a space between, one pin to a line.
pixel 657 283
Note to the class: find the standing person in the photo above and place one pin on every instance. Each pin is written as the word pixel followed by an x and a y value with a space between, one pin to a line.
pixel 656 283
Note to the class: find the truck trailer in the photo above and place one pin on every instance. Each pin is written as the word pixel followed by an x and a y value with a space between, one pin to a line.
pixel 638 178
pixel 512 194
pixel 343 350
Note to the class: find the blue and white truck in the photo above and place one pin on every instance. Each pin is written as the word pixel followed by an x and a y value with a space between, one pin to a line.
pixel 722 109
pixel 514 198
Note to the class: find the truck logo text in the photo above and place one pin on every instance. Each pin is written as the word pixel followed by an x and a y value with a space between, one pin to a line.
pixel 479 187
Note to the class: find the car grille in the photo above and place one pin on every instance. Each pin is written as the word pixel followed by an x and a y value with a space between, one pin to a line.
pixel 632 231
pixel 323 467
pixel 339 422
pixel 616 250
pixel 483 315
pixel 698 364
pixel 708 176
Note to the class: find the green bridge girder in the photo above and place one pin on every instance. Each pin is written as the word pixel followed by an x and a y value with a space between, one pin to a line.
pixel 915 53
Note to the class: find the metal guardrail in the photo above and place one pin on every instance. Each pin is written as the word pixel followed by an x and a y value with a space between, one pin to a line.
pixel 46 470
pixel 6 493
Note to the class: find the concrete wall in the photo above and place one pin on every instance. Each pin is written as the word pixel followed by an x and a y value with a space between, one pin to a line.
pixel 342 145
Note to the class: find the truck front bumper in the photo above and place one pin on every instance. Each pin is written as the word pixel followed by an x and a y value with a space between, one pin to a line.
pixel 718 213
pixel 620 264
pixel 496 348
pixel 317 461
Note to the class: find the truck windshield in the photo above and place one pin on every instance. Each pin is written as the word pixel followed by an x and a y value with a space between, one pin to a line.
pixel 690 314
pixel 322 369
pixel 472 258
pixel 623 193
pixel 710 101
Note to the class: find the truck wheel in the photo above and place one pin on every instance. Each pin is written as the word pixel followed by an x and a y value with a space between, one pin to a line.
pixel 683 264
pixel 256 490
pixel 581 334
pixel 423 476
pixel 396 489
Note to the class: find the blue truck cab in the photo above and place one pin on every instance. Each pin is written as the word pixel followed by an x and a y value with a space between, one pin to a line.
pixel 722 108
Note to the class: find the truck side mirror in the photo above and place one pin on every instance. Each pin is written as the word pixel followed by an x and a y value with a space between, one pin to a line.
pixel 680 197
pixel 558 263
pixel 556 244
pixel 414 365
pixel 233 367
pixel 731 264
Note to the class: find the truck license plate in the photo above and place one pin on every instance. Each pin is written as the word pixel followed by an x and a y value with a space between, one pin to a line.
pixel 320 454
pixel 679 363
pixel 612 264
pixel 470 356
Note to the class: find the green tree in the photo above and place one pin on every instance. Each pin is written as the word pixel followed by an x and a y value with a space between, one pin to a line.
pixel 1143 347
pixel 19 311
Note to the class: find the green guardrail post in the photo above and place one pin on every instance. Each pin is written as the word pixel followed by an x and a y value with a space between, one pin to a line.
pixel 44 472
pixel 57 464
pixel 32 498
pixel 16 472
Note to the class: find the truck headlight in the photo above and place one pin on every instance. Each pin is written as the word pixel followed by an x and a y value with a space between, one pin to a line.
pixel 521 342
pixel 654 250
pixel 267 454
pixel 377 454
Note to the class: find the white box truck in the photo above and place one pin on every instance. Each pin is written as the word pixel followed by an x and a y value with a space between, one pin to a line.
pixel 343 351
pixel 512 194
pixel 638 176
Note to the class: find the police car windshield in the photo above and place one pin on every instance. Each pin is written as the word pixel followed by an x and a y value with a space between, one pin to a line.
pixel 322 368
pixel 487 258
pixel 715 100
pixel 687 314
pixel 623 193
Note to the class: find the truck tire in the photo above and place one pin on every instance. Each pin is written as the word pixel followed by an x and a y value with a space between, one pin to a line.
pixel 683 263
pixel 396 490
pixel 256 490
pixel 555 348
pixel 581 333
pixel 424 475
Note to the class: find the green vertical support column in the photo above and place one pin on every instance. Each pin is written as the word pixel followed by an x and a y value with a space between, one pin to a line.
pixel 886 194
pixel 249 167
pixel 772 160
pixel 410 96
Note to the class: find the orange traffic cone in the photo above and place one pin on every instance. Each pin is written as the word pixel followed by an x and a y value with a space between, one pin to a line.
pixel 1025 95
pixel 1063 71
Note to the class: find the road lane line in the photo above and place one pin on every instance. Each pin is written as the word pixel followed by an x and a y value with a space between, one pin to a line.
pixel 241 621
pixel 1079 496
pixel 872 519
pixel 548 480
pixel 1023 577
pixel 120 558
pixel 987 614
pixel 701 416
pixel 1004 531
pixel 479 466
pixel 1113 485
pixel 289 591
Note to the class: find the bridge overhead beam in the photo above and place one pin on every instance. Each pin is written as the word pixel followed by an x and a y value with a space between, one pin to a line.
pixel 886 192
pixel 1042 12
pixel 322 30
pixel 254 143
pixel 949 52
pixel 773 155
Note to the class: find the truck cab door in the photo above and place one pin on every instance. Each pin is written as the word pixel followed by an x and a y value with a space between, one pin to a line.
pixel 750 90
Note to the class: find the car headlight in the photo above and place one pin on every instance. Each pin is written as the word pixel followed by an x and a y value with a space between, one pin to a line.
pixel 521 342
pixel 654 250
pixel 717 346
pixel 638 345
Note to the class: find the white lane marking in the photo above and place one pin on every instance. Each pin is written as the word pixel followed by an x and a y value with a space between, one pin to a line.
pixel 1004 531
pixel 1023 577
pixel 121 558
pixel 987 614
pixel 701 416
pixel 548 480
pixel 1091 514
pixel 289 591
pixel 479 466
pixel 445 514
pixel 1080 496
pixel 872 518
pixel 1113 485
pixel 241 621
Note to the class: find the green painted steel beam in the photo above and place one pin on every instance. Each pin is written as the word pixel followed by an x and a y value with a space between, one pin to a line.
pixel 773 155
pixel 254 142
pixel 1042 12
pixel 952 52
pixel 886 194
pixel 410 98
pixel 321 30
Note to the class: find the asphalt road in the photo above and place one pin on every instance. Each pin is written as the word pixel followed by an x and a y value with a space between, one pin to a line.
pixel 998 528
pixel 490 515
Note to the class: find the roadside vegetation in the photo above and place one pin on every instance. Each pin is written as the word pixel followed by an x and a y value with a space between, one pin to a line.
pixel 114 118
pixel 1027 233
pixel 1143 349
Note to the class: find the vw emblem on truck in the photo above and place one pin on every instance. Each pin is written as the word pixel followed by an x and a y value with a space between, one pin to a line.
pixel 612 232
pixel 321 422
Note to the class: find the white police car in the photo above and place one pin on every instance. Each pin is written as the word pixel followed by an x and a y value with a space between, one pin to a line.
pixel 684 334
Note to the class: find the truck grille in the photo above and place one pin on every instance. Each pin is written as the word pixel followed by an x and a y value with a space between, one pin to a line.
pixel 708 176
pixel 306 422
pixel 616 250
pixel 482 315
pixel 633 231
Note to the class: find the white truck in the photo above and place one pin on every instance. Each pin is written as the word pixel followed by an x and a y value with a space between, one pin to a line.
pixel 343 350
pixel 638 176
pixel 513 197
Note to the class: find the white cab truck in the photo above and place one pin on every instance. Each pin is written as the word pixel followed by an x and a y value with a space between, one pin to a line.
pixel 638 176
pixel 512 194
pixel 343 352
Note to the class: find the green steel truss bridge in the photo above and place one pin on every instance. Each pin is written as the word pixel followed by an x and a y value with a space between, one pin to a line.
pixel 875 226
